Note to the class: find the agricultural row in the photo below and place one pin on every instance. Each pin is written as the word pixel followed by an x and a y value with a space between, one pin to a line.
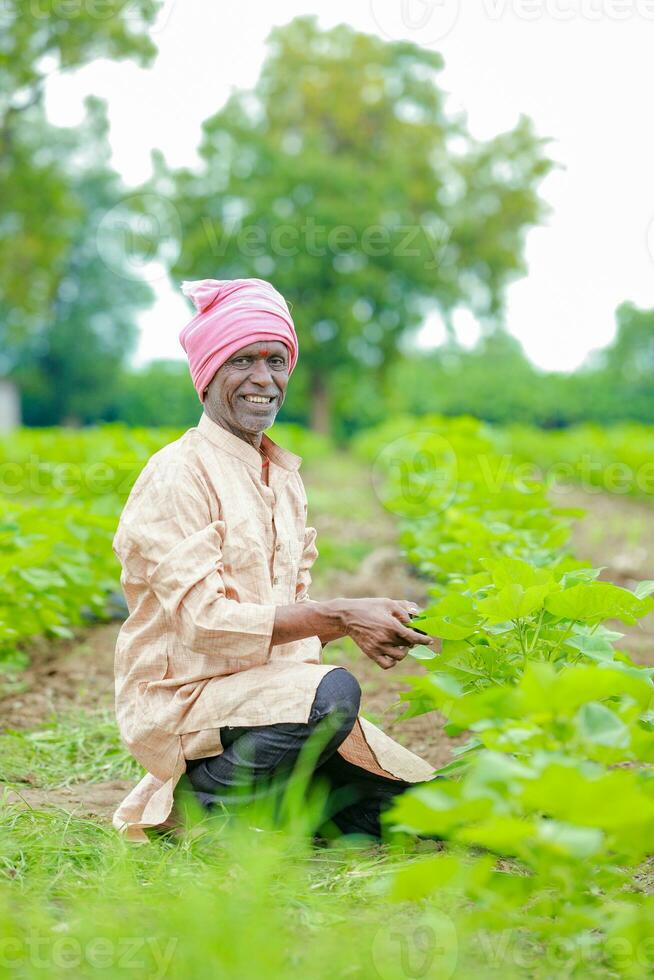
pixel 61 493
pixel 617 460
pixel 548 807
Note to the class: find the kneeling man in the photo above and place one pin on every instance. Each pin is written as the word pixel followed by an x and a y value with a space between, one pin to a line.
pixel 218 666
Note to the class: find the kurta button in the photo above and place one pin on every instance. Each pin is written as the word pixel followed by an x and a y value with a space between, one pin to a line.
pixel 275 580
pixel 278 547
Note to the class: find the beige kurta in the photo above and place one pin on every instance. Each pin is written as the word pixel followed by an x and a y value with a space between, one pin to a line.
pixel 208 550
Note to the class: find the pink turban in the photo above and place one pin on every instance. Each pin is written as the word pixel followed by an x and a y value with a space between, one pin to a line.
pixel 232 313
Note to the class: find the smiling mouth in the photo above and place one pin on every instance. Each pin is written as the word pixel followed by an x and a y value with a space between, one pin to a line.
pixel 264 401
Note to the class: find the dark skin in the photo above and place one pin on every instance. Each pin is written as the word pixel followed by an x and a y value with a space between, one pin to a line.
pixel 377 626
pixel 258 369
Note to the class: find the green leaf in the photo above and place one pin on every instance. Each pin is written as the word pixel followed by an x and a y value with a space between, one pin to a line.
pixel 594 647
pixel 435 809
pixel 63 631
pixel 420 652
pixel 580 575
pixel 42 578
pixel 613 800
pixel 504 835
pixel 600 725
pixel 597 601
pixel 512 571
pixel 453 618
pixel 513 602
pixel 577 842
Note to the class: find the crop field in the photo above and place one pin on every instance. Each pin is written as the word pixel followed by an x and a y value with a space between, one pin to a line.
pixel 530 555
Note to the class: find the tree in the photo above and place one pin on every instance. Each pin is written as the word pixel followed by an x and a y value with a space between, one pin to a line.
pixel 342 179
pixel 69 366
pixel 161 393
pixel 625 369
pixel 495 381
pixel 39 206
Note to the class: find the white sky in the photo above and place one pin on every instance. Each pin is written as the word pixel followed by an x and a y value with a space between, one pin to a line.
pixel 582 69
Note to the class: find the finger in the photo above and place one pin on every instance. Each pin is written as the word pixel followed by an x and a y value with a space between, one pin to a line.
pixel 404 634
pixel 397 651
pixel 412 636
pixel 388 653
pixel 404 609
pixel 384 661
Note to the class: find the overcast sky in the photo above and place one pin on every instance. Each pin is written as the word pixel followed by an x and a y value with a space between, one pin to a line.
pixel 583 70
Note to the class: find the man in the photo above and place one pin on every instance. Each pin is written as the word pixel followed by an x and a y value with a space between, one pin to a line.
pixel 218 666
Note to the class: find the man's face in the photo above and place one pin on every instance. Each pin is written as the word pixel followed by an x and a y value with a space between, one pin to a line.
pixel 256 371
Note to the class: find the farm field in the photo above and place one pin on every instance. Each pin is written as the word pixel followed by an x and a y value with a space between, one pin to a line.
pixel 455 911
pixel 463 353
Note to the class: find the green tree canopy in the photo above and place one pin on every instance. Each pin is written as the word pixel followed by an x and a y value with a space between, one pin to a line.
pixel 39 206
pixel 68 367
pixel 343 180
pixel 53 291
pixel 160 393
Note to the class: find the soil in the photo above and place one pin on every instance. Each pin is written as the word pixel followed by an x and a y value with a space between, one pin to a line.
pixel 64 675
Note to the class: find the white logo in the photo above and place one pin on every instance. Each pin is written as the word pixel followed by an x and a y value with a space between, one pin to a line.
pixel 415 475
pixel 421 21
pixel 131 11
pixel 427 947
pixel 139 237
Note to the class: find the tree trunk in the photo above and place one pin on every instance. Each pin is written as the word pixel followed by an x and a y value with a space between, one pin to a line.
pixel 320 407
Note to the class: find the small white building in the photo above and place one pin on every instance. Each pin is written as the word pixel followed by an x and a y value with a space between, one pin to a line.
pixel 9 406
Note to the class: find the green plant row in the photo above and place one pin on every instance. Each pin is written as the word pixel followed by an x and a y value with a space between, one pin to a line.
pixel 548 806
pixel 617 459
pixel 61 494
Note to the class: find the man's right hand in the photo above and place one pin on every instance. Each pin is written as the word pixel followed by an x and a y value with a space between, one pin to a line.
pixel 377 627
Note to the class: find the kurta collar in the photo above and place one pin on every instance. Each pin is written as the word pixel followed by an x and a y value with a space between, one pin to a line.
pixel 226 440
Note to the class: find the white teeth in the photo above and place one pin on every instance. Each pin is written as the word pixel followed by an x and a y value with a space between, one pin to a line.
pixel 259 399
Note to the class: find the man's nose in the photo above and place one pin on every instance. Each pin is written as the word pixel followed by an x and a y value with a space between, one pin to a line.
pixel 261 373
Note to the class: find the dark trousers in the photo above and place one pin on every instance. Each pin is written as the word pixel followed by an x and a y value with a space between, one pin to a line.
pixel 253 759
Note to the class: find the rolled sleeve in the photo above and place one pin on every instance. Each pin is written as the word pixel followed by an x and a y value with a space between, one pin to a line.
pixel 169 539
pixel 308 557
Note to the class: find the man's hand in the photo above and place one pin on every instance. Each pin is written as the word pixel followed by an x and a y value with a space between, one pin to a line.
pixel 377 627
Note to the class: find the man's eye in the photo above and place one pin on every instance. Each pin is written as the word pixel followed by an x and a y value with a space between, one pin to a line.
pixel 278 361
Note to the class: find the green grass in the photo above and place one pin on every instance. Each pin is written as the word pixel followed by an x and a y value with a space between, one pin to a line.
pixel 244 897
pixel 74 747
